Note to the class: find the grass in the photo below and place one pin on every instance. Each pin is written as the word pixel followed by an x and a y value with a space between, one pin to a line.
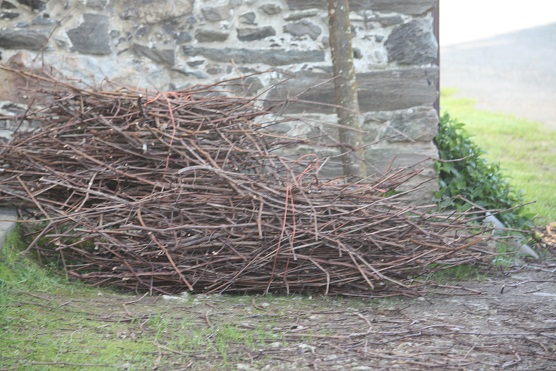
pixel 48 322
pixel 464 272
pixel 524 149
pixel 42 333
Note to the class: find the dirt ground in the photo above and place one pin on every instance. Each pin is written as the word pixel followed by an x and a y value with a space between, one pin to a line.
pixel 507 321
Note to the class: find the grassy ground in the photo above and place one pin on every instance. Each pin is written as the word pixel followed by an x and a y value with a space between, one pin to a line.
pixel 48 323
pixel 525 150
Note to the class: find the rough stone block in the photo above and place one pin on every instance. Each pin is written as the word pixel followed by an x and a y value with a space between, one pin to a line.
pixel 217 13
pixel 419 124
pixel 249 86
pixel 409 7
pixel 165 56
pixel 208 36
pixel 419 156
pixel 43 20
pixel 9 15
pixel 8 218
pixel 184 37
pixel 97 4
pixel 7 5
pixel 382 156
pixel 92 36
pixel 412 43
pixel 296 16
pixel 270 9
pixel 377 91
pixel 248 18
pixel 143 31
pixel 22 39
pixel 257 33
pixel 154 11
pixel 387 21
pixel 271 57
pixel 37 5
pixel 302 28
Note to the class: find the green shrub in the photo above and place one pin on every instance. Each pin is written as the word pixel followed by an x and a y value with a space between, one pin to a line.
pixel 464 172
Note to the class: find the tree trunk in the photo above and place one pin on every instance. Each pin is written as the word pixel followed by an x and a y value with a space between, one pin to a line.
pixel 349 118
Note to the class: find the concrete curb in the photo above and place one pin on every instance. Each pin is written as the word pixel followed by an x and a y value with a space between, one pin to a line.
pixel 8 217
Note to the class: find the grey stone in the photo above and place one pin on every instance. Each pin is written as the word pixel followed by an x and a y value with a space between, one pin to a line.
pixel 195 63
pixel 38 5
pixel 377 91
pixel 249 86
pixel 204 35
pixel 7 5
pixel 60 42
pixel 387 20
pixel 412 43
pixel 165 56
pixel 143 31
pixel 43 21
pixel 8 108
pixel 357 54
pixel 255 33
pixel 217 13
pixel 279 127
pixel 186 72
pixel 154 11
pixel 172 26
pixel 22 39
pixel 382 157
pixel 419 124
pixel 248 18
pixel 7 127
pixel 9 15
pixel 184 37
pixel 214 69
pixel 97 4
pixel 409 7
pixel 92 36
pixel 8 219
pixel 272 57
pixel 270 9
pixel 308 4
pixel 397 155
pixel 296 16
pixel 302 28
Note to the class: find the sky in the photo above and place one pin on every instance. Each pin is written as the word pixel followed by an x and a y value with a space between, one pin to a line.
pixel 469 20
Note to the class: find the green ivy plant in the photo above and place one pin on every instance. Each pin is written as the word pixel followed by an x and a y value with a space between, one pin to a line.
pixel 464 172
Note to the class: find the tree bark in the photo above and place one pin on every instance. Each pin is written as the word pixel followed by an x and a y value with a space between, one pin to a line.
pixel 349 118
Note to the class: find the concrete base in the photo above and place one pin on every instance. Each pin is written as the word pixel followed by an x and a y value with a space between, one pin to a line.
pixel 8 217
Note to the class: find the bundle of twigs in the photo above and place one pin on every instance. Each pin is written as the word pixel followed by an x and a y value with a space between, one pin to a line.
pixel 184 191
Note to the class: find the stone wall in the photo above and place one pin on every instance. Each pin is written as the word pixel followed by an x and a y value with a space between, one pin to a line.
pixel 170 44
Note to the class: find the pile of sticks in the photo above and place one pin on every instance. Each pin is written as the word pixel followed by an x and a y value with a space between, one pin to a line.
pixel 187 190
